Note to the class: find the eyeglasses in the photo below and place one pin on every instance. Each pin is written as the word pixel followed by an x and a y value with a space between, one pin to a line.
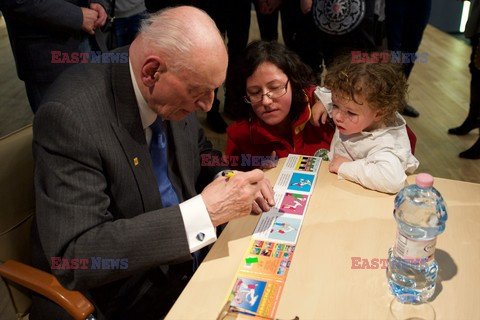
pixel 272 94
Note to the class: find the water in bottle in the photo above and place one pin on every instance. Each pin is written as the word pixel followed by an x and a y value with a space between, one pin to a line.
pixel 420 214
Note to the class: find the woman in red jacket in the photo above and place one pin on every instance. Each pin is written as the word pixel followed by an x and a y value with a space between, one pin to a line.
pixel 273 90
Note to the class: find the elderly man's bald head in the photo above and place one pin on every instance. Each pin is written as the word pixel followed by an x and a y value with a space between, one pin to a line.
pixel 178 60
pixel 180 34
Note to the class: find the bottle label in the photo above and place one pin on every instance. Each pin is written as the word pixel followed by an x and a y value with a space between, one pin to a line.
pixel 408 248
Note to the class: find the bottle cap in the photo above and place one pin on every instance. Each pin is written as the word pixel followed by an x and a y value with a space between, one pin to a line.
pixel 424 180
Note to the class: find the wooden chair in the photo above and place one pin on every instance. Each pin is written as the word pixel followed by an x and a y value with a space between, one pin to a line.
pixel 17 206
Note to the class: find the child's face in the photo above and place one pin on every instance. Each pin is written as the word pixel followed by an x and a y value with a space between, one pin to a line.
pixel 269 78
pixel 351 117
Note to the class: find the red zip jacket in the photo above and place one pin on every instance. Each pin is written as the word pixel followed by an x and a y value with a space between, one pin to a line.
pixel 248 139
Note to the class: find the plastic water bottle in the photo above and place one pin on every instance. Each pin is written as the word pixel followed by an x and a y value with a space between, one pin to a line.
pixel 420 214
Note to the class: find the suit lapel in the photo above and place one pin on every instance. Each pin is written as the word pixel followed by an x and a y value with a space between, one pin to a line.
pixel 130 133
pixel 184 151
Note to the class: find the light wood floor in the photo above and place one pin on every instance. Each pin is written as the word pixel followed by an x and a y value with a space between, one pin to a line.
pixel 439 89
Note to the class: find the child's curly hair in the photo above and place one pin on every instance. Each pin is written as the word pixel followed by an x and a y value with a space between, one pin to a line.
pixel 382 85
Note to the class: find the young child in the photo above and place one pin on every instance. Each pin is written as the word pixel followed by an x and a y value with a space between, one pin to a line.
pixel 370 145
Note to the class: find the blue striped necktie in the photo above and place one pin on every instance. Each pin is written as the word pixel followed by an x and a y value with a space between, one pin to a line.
pixel 158 151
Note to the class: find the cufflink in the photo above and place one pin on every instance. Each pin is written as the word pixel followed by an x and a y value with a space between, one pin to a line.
pixel 200 236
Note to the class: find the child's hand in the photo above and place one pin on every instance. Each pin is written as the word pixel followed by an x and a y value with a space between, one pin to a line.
pixel 319 113
pixel 272 163
pixel 336 163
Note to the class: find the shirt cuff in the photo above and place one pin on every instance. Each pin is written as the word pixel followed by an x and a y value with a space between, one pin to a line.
pixel 198 226
pixel 325 96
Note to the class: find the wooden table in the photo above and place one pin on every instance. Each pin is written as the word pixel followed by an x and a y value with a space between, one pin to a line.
pixel 345 220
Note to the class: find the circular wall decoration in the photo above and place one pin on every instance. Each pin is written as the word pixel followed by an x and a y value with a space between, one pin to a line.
pixel 338 17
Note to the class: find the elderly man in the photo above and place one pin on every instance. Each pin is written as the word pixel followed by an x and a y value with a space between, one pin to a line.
pixel 110 221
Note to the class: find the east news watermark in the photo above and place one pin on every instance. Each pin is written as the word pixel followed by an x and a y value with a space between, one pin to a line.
pixel 94 263
pixel 89 57
pixel 244 160
pixel 382 263
pixel 392 56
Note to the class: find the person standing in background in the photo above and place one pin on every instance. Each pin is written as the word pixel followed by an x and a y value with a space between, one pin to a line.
pixel 406 21
pixel 233 21
pixel 472 31
pixel 268 13
pixel 128 18
pixel 334 28
pixel 36 29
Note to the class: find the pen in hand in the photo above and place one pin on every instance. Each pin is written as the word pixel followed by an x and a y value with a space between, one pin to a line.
pixel 228 173
pixel 261 204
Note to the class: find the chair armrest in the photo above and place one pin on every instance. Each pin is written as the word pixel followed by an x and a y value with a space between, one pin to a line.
pixel 47 285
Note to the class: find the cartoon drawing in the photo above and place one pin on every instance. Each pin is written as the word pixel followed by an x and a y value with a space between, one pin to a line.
pixel 282 228
pixel 247 293
pixel 302 183
pixel 294 203
pixel 266 252
pixel 306 164
pixel 285 229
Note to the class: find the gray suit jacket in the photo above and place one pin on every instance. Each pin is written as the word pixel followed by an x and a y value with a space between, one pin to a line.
pixel 96 192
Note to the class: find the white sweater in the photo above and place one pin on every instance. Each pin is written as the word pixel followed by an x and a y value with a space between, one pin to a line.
pixel 380 158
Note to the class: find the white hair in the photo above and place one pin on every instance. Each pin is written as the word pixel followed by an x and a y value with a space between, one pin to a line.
pixel 167 32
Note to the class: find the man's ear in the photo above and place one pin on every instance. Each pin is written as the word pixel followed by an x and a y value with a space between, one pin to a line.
pixel 152 69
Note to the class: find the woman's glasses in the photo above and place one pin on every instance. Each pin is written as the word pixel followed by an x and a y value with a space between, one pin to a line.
pixel 272 94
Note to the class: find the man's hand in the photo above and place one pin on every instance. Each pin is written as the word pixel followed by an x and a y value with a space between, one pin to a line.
pixel 230 198
pixel 336 163
pixel 306 6
pixel 319 113
pixel 89 18
pixel 102 15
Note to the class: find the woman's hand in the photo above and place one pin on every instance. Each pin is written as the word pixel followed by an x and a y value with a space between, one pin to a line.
pixel 271 163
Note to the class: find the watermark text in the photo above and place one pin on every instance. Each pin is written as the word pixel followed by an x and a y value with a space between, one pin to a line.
pixel 377 263
pixel 244 160
pixel 392 56
pixel 89 57
pixel 89 263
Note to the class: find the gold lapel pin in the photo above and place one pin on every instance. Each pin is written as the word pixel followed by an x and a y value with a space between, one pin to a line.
pixel 135 161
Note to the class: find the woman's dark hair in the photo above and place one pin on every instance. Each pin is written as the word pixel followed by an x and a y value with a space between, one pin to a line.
pixel 299 75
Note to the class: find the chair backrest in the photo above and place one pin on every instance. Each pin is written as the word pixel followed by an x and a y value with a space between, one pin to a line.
pixel 17 206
